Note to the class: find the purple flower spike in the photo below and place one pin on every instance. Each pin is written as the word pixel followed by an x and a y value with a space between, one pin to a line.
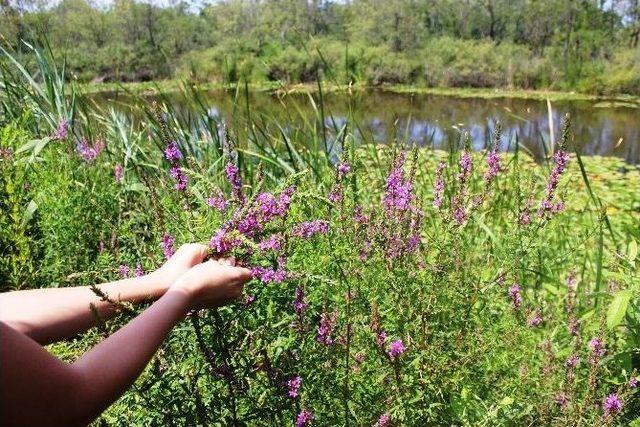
pixel 304 419
pixel 343 169
pixel 438 186
pixel 514 294
pixel 233 176
pixel 307 229
pixel 218 202
pixel 294 385
pixel 117 173
pixel 572 361
pixel 167 245
pixel 89 152
pixel 222 242
pixel 612 405
pixel 396 348
pixel 561 400
pixel 398 193
pixel 547 206
pixel 62 130
pixel 383 421
pixel 466 165
pixel 124 271
pixel 181 179
pixel 327 324
pixel 299 305
pixel 597 347
pixel 172 152
pixel 139 271
pixel 271 243
pixel 535 320
pixel 494 166
pixel 633 382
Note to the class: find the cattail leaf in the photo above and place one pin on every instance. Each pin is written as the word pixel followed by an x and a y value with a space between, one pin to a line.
pixel 618 308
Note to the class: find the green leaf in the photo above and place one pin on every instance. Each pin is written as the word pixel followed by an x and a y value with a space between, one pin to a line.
pixel 28 212
pixel 618 308
pixel 632 251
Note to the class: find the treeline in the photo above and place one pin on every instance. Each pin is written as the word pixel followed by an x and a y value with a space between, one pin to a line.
pixel 584 45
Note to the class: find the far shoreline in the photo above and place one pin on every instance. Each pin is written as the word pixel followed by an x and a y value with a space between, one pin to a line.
pixel 173 85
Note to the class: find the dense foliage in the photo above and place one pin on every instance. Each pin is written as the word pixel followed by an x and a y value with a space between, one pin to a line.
pixel 589 45
pixel 393 286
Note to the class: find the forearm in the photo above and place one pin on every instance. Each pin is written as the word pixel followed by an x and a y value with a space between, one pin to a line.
pixel 114 364
pixel 38 389
pixel 49 315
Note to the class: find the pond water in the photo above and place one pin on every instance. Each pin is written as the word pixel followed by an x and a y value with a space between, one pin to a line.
pixel 605 129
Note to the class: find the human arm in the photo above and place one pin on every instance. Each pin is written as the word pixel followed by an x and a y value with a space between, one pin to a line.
pixel 38 389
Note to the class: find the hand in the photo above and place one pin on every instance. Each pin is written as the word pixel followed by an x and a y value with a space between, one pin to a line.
pixel 186 256
pixel 213 283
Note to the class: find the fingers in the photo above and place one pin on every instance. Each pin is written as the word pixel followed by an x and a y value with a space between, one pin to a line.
pixel 231 261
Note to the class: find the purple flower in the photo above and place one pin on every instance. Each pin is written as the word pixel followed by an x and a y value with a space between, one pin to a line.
pixel 438 186
pixel 305 417
pixel 218 202
pixel 299 304
pixel 124 271
pixel 358 216
pixel 307 229
pixel 561 400
pixel 597 347
pixel 633 382
pixel 222 242
pixel 547 206
pixel 172 152
pixel 117 173
pixel 271 243
pixel 335 196
pixel 383 421
pixel 271 206
pixel 612 404
pixel 167 245
pixel 398 192
pixel 574 326
pixel 535 320
pixel 62 130
pixel 90 152
pixel 294 386
pixel 493 164
pixel 269 275
pixel 459 212
pixel 466 165
pixel 572 361
pixel 233 176
pixel 343 169
pixel 396 348
pixel 181 179
pixel 139 271
pixel 514 294
pixel 328 322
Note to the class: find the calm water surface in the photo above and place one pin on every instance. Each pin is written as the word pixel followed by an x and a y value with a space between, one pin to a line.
pixel 432 120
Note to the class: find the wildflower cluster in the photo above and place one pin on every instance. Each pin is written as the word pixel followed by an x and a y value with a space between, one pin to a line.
pixel 88 151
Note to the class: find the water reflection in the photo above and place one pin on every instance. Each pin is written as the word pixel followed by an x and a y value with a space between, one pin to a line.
pixel 436 121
